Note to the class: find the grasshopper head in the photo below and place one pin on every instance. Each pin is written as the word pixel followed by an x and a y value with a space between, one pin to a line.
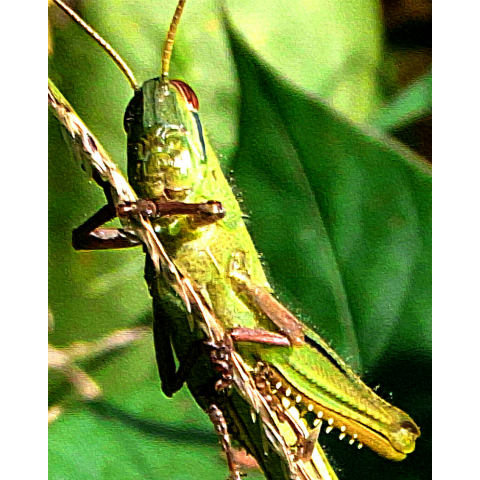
pixel 166 148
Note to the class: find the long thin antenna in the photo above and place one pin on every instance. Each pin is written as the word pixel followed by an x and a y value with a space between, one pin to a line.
pixel 104 44
pixel 168 47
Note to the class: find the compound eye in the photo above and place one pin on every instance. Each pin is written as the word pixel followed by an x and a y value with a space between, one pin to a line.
pixel 187 93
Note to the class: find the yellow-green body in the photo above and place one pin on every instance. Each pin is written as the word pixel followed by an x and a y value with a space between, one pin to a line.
pixel 203 253
pixel 179 165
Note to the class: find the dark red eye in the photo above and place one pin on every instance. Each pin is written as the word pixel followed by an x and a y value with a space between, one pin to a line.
pixel 187 92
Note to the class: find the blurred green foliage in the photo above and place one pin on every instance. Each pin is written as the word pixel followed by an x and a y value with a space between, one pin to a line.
pixel 411 103
pixel 340 213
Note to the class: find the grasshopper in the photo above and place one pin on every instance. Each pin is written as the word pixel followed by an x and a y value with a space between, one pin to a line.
pixel 195 215
pixel 256 425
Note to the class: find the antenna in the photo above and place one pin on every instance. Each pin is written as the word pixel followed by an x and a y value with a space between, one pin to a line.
pixel 104 44
pixel 168 47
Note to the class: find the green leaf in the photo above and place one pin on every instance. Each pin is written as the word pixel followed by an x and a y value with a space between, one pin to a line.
pixel 343 219
pixel 105 442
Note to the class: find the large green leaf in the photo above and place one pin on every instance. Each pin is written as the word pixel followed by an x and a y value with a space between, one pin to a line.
pixel 331 49
pixel 343 218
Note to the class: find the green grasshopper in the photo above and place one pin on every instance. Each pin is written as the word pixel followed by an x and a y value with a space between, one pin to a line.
pixel 199 223
pixel 256 425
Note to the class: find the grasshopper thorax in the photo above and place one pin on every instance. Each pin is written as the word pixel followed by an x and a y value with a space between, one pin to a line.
pixel 166 147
